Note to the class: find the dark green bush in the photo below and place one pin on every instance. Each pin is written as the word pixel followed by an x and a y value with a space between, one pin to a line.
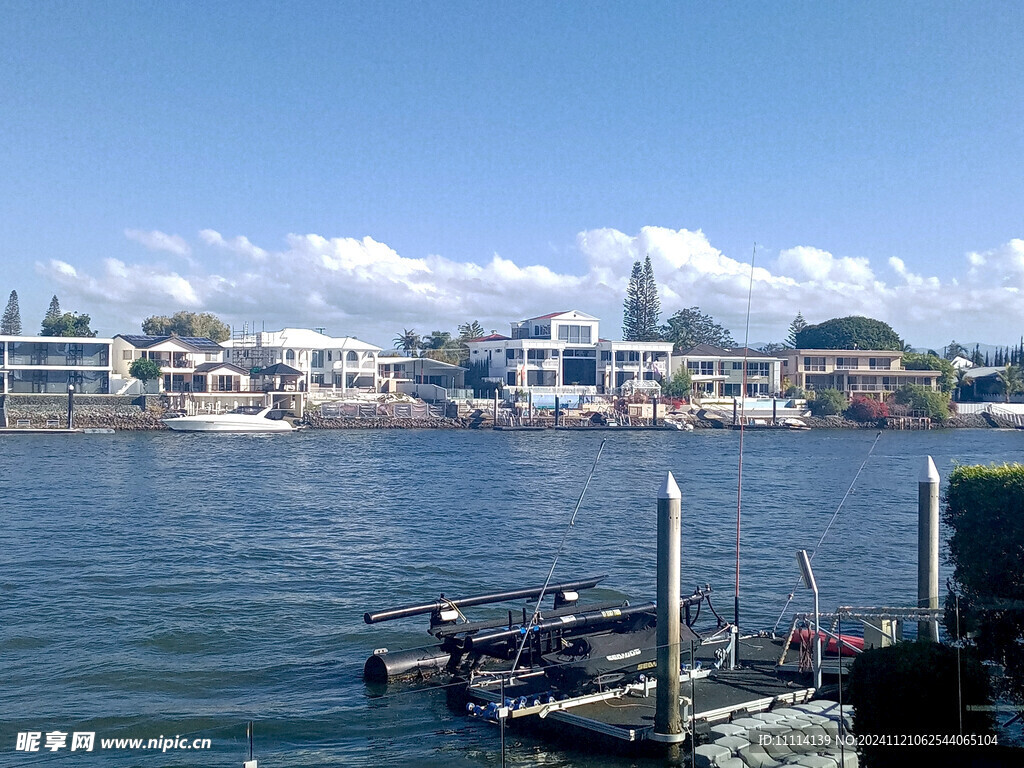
pixel 828 402
pixel 918 689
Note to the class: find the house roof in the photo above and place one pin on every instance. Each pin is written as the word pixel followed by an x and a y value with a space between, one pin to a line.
pixel 983 372
pixel 280 369
pixel 709 350
pixel 305 338
pixel 196 343
pixel 490 337
pixel 208 367
pixel 552 315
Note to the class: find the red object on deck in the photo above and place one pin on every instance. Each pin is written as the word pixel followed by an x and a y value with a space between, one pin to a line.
pixel 829 643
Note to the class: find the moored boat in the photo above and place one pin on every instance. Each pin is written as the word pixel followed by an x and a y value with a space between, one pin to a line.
pixel 239 420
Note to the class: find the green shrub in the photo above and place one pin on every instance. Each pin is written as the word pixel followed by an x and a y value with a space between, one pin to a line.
pixel 828 402
pixel 679 385
pixel 913 689
pixel 935 405
pixel 985 515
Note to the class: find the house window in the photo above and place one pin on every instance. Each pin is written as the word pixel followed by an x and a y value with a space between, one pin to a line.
pixel 536 330
pixel 737 366
pixel 701 367
pixel 225 384
pixel 627 357
pixel 535 354
pixel 814 363
pixel 510 354
pixel 330 355
pixel 847 363
pixel 289 356
pixel 880 363
pixel 606 355
pixel 352 357
pixel 127 354
pixel 317 360
pixel 510 379
pixel 574 334
pixel 212 357
pixel 554 353
pixel 732 390
pixel 759 369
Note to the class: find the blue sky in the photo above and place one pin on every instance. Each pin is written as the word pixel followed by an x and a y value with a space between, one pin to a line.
pixel 369 167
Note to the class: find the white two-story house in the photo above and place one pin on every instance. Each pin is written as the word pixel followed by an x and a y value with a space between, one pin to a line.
pixel 325 362
pixel 717 372
pixel 563 353
pixel 185 361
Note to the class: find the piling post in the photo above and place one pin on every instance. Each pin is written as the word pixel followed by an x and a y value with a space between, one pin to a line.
pixel 556 410
pixel 529 407
pixel 734 408
pixel 71 406
pixel 495 406
pixel 928 548
pixel 668 726
pixel 654 413
pixel 775 411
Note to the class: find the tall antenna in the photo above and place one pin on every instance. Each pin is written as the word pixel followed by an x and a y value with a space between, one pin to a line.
pixel 739 471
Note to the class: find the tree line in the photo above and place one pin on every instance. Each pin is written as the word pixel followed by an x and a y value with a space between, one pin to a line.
pixel 55 322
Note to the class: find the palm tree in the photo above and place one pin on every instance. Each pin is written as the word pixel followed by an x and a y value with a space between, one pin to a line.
pixel 1012 380
pixel 961 382
pixel 408 341
pixel 437 340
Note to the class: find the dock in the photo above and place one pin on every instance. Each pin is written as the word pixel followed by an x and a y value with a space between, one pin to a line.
pixel 709 695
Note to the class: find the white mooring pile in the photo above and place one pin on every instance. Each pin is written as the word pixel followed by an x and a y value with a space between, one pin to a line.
pixel 803 735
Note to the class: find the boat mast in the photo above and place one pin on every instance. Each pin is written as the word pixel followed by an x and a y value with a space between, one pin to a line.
pixel 739 471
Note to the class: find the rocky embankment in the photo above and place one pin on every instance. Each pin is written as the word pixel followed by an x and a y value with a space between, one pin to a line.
pixel 316 421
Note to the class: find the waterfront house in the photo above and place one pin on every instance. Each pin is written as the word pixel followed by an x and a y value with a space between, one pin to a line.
pixel 982 384
pixel 179 358
pixel 422 377
pixel 326 363
pixel 49 364
pixel 717 372
pixel 868 373
pixel 562 353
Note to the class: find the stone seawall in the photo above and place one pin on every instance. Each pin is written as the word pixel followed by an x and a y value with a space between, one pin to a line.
pixel 382 422
pixel 90 412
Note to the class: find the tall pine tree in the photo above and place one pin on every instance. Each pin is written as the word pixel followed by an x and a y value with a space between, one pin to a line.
pixel 10 325
pixel 795 327
pixel 651 304
pixel 631 306
pixel 53 313
pixel 642 308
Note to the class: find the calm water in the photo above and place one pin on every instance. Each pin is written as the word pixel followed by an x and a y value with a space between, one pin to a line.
pixel 171 584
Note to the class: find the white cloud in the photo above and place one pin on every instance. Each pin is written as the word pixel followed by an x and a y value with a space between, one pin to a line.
pixel 366 288
pixel 818 266
pixel 155 240
pixel 239 245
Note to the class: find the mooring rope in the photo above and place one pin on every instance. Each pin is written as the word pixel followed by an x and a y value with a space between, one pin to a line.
pixel 829 526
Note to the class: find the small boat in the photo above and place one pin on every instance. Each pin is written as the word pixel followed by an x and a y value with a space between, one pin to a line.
pixel 244 419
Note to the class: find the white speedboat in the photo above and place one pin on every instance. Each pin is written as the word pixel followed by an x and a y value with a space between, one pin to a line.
pixel 239 420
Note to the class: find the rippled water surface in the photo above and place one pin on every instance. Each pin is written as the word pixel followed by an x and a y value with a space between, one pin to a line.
pixel 170 584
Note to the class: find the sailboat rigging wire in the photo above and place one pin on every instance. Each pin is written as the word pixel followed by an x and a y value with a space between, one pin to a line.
pixel 829 526
pixel 739 471
pixel 558 552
